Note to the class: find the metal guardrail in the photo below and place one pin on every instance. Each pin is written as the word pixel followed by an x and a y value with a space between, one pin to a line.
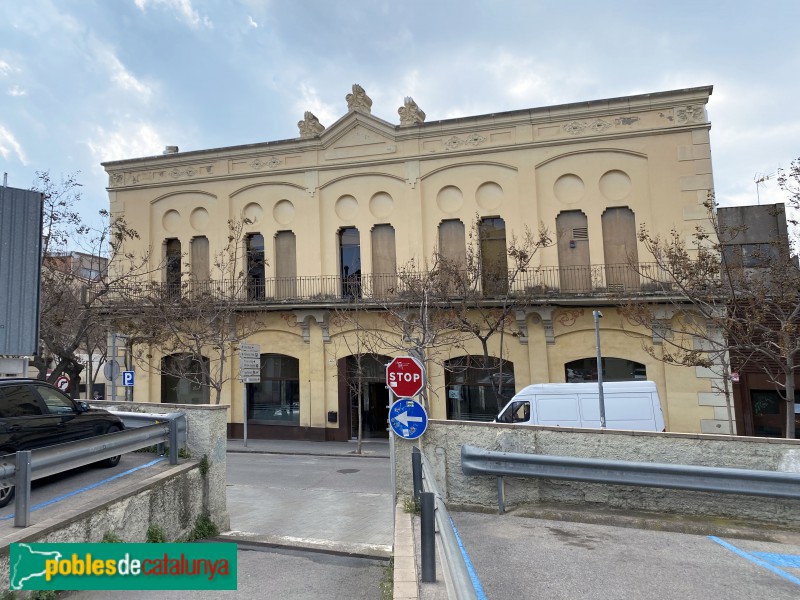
pixel 455 563
pixel 29 465
pixel 773 484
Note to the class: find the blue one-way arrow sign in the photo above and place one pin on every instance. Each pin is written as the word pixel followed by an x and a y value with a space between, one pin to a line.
pixel 408 418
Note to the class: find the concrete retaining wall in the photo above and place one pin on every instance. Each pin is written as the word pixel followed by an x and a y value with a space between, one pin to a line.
pixel 443 440
pixel 206 435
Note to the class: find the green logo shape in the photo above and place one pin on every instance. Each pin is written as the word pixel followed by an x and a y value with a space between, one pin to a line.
pixel 123 567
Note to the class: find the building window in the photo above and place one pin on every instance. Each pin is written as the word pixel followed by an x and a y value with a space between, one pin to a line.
pixel 572 233
pixel 276 398
pixel 350 261
pixel 256 280
pixel 172 276
pixel 200 267
pixel 494 259
pixel 384 261
pixel 614 369
pixel 183 380
pixel 452 243
pixel 477 391
pixel 285 265
pixel 620 249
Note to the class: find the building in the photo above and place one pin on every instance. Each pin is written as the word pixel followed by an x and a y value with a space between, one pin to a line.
pixel 335 213
pixel 756 236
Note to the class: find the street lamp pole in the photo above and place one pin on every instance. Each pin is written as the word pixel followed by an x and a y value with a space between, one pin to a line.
pixel 597 316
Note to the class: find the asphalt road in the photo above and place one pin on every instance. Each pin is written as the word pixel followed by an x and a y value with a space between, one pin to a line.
pixel 327 502
pixel 520 557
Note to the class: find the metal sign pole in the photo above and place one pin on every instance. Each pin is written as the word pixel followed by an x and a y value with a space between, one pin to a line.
pixel 113 360
pixel 244 406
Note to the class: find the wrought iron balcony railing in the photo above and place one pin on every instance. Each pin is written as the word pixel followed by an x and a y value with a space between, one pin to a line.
pixel 536 284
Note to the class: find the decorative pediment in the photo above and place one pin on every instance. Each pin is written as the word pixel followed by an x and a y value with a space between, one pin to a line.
pixel 358 135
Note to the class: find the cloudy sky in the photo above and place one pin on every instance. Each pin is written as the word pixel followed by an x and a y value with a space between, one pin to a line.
pixel 85 81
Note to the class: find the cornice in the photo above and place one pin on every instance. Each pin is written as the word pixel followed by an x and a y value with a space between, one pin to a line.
pixel 578 111
pixel 420 157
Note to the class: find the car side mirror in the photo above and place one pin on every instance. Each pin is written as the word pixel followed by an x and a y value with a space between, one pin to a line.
pixel 83 406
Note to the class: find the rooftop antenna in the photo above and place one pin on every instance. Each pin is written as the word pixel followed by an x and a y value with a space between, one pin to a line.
pixel 5 179
pixel 758 179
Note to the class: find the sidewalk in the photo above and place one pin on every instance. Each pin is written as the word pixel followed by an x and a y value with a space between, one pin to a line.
pixel 372 448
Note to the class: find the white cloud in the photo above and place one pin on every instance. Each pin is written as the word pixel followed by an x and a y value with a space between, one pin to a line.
pixel 184 9
pixel 121 76
pixel 17 91
pixel 251 22
pixel 126 140
pixel 9 144
pixel 5 68
pixel 326 113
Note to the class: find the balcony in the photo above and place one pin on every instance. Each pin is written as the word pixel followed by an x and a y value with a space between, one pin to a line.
pixel 535 285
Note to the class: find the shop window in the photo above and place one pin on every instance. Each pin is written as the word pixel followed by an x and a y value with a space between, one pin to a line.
pixel 477 390
pixel 276 398
pixel 183 380
pixel 614 369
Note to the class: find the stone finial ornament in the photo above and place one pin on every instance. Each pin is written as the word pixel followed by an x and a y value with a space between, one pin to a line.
pixel 359 100
pixel 310 126
pixel 410 113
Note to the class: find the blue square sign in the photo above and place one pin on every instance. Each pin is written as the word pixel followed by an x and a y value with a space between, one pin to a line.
pixel 127 378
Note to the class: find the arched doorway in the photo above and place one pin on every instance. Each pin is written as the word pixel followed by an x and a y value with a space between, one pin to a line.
pixel 363 385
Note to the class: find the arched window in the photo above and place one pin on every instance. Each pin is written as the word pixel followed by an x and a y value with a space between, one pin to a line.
pixel 256 281
pixel 572 233
pixel 384 261
pixel 477 390
pixel 494 258
pixel 172 274
pixel 276 398
pixel 350 261
pixel 183 379
pixel 286 264
pixel 614 369
pixel 619 249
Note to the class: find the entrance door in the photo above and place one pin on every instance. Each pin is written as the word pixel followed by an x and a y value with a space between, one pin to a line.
pixel 374 411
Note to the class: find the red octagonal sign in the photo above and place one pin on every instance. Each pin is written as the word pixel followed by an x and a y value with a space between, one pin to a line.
pixel 404 376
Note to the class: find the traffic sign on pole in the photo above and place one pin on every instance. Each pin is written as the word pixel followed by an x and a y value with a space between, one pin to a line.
pixel 127 378
pixel 405 376
pixel 408 418
pixel 63 383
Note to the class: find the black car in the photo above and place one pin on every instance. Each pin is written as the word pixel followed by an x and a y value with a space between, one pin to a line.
pixel 34 414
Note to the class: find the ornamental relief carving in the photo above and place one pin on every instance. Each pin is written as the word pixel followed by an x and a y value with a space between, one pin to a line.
pixel 259 163
pixel 472 140
pixel 690 114
pixel 593 126
pixel 290 318
pixel 410 113
pixel 115 179
pixel 568 317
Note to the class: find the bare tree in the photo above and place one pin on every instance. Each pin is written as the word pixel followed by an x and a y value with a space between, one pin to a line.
pixel 189 333
pixel 748 310
pixel 434 308
pixel 73 291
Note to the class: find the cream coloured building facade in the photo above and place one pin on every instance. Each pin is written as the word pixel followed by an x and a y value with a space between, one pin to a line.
pixel 337 208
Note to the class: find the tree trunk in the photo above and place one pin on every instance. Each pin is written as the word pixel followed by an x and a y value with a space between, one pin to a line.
pixel 790 433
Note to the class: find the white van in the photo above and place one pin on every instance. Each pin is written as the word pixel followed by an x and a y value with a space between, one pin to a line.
pixel 628 404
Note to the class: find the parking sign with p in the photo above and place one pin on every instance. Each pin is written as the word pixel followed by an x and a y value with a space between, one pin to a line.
pixel 127 378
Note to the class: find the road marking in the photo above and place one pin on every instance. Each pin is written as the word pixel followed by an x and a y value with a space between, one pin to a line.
pixel 476 583
pixel 88 487
pixel 756 560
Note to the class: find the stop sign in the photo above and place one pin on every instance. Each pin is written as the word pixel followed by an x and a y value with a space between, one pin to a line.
pixel 404 376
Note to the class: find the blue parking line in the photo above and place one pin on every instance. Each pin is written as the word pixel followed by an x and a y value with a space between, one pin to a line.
pixel 476 583
pixel 89 487
pixel 755 560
